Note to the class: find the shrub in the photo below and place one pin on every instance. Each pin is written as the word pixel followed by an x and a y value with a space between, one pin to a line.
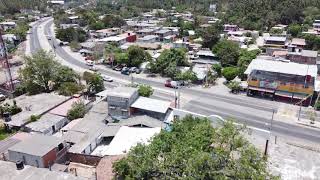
pixel 78 110
pixel 145 90
pixel 234 86
pixel 69 88
pixel 230 73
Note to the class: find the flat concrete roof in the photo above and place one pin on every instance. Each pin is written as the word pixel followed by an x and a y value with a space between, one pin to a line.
pixel 128 137
pixel 34 105
pixel 125 92
pixel 37 145
pixel 150 104
pixel 9 171
pixel 45 122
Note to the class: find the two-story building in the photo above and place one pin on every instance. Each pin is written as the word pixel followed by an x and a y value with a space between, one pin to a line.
pixel 282 80
pixel 275 41
pixel 162 34
pixel 120 100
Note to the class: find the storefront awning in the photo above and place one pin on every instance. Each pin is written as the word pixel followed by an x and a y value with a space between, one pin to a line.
pixel 261 89
pixel 284 94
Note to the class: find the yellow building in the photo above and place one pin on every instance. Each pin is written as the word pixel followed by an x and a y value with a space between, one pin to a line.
pixel 281 79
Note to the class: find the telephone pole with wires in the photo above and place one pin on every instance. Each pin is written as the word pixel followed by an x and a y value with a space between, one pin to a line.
pixel 5 62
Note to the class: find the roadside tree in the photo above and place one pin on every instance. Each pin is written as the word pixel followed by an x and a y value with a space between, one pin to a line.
pixel 145 90
pixel 94 82
pixel 230 73
pixel 227 51
pixel 194 149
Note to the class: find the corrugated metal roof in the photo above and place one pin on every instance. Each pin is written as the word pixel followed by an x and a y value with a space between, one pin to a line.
pixel 282 67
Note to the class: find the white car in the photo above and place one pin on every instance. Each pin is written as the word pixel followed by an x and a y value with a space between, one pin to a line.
pixel 89 63
pixel 2 97
pixel 107 78
pixel 93 68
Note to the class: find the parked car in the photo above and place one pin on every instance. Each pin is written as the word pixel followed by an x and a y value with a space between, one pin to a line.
pixel 125 70
pixel 89 63
pixel 2 97
pixel 107 78
pixel 138 71
pixel 133 69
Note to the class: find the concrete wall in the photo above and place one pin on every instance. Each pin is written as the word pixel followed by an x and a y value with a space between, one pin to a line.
pixel 84 159
pixel 28 159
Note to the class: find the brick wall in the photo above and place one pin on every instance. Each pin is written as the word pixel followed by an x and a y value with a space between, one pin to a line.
pixel 84 159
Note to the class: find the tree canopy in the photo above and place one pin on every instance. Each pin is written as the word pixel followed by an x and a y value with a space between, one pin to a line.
pixel 94 82
pixel 145 90
pixel 42 74
pixel 71 34
pixel 193 149
pixel 227 51
pixel 168 61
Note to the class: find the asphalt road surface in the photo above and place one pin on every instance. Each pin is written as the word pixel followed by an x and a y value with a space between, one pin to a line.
pixel 250 111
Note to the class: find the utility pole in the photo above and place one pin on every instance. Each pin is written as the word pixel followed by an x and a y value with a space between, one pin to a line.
pixel 5 64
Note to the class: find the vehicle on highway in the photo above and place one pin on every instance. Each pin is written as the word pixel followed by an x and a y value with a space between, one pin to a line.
pixel 89 58
pixel 125 70
pixel 107 78
pixel 89 63
pixel 93 68
pixel 174 84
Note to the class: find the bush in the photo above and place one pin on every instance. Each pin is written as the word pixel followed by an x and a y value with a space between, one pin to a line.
pixel 317 105
pixel 11 109
pixel 145 90
pixel 69 88
pixel 78 110
pixel 217 68
pixel 230 73
pixel 34 118
pixel 234 86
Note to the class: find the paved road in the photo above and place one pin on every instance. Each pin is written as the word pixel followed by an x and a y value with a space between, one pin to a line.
pixel 246 110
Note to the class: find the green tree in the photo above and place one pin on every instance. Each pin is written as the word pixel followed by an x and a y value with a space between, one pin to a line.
pixel 136 56
pixel 245 59
pixel 230 73
pixel 211 35
pixel 39 71
pixel 71 34
pixel 168 61
pixel 294 30
pixel 145 90
pixel 75 46
pixel 187 76
pixel 193 149
pixel 69 88
pixel 42 73
pixel 78 110
pixel 94 82
pixel 217 68
pixel 111 21
pixel 227 51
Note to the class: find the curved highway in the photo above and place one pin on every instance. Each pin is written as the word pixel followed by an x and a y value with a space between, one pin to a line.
pixel 250 111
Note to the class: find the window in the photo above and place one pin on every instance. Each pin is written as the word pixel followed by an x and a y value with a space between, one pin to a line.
pixel 60 146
